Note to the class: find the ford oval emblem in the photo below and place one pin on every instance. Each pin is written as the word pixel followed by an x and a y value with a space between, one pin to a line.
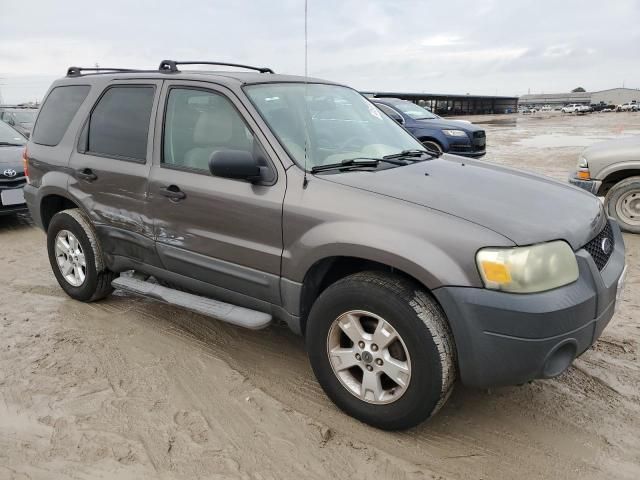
pixel 606 246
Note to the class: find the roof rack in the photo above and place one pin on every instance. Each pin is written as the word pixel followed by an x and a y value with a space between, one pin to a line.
pixel 172 66
pixel 166 66
pixel 77 71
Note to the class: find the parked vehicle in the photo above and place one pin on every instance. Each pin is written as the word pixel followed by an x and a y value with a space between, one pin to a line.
pixel 528 110
pixel 628 107
pixel 546 108
pixel 12 177
pixel 575 108
pixel 254 197
pixel 434 132
pixel 19 118
pixel 611 170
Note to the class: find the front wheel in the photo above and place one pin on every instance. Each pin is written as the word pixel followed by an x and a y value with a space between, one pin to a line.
pixel 381 349
pixel 433 146
pixel 76 257
pixel 623 203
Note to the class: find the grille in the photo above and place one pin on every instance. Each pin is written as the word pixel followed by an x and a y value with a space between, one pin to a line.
pixel 594 247
pixel 479 134
pixel 12 182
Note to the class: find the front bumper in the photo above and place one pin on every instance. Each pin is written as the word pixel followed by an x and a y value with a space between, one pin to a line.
pixel 591 186
pixel 467 147
pixel 467 153
pixel 14 209
pixel 12 184
pixel 509 339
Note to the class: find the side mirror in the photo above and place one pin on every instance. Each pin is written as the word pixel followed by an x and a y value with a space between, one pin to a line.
pixel 11 122
pixel 237 164
pixel 399 119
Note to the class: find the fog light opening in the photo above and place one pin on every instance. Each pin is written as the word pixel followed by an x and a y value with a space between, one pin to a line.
pixel 559 359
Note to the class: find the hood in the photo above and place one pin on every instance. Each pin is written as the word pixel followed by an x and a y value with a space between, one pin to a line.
pixel 524 207
pixel 448 124
pixel 619 149
pixel 11 157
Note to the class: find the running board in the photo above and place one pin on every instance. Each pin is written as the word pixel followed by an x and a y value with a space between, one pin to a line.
pixel 243 317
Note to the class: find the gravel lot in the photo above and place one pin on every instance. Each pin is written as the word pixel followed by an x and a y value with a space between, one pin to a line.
pixel 127 388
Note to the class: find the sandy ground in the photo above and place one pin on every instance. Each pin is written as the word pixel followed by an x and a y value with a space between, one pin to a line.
pixel 127 388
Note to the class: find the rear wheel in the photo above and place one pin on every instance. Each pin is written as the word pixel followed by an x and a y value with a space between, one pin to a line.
pixel 76 257
pixel 381 349
pixel 623 203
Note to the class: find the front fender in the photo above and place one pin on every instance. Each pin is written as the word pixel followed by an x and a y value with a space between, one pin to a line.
pixel 435 134
pixel 324 219
pixel 414 255
pixel 607 170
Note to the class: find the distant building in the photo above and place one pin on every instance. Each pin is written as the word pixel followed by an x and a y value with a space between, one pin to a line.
pixel 613 96
pixel 444 104
pixel 616 96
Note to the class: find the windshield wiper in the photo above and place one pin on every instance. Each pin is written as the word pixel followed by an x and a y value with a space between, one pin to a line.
pixel 411 154
pixel 10 144
pixel 351 163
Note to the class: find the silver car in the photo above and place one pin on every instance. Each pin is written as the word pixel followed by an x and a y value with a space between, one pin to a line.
pixel 612 170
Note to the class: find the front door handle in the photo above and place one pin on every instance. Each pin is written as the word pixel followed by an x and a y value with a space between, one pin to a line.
pixel 86 174
pixel 173 192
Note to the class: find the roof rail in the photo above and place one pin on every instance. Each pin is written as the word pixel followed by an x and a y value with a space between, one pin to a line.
pixel 171 66
pixel 77 71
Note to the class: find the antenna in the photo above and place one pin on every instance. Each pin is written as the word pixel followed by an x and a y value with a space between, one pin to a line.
pixel 305 181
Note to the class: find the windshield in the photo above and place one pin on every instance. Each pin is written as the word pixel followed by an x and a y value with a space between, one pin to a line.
pixel 340 123
pixel 9 135
pixel 24 116
pixel 414 111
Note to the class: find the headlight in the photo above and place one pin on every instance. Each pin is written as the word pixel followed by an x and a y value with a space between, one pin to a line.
pixel 528 269
pixel 583 172
pixel 454 133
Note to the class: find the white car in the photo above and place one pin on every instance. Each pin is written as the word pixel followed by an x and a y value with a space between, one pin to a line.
pixel 575 108
pixel 628 107
pixel 547 108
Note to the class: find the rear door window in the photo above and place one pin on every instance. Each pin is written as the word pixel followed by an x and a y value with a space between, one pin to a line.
pixel 56 113
pixel 119 124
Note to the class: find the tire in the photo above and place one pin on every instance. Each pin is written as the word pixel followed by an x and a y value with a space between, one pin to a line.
pixel 89 282
pixel 432 145
pixel 622 202
pixel 423 333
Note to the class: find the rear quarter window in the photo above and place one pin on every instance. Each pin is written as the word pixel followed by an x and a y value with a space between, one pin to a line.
pixel 56 113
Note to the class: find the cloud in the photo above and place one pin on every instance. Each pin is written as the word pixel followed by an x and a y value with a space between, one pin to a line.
pixel 558 51
pixel 441 41
pixel 484 47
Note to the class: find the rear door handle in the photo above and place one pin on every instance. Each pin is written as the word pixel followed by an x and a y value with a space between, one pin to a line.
pixel 86 174
pixel 173 192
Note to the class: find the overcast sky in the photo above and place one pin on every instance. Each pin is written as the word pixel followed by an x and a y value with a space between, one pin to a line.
pixel 503 47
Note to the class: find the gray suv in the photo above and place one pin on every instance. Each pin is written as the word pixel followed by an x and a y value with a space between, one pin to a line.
pixel 255 197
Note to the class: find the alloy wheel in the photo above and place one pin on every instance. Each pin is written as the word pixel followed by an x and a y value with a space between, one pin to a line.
pixel 369 357
pixel 70 258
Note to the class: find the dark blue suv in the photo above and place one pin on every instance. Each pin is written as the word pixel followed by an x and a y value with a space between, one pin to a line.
pixel 452 136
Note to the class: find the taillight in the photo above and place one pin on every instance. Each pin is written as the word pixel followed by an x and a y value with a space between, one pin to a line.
pixel 25 163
